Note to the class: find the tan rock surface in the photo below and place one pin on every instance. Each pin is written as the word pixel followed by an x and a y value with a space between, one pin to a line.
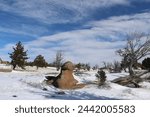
pixel 66 80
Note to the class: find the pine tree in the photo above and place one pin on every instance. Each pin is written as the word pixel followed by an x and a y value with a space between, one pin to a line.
pixel 101 76
pixel 18 56
pixel 146 63
pixel 88 67
pixel 78 66
pixel 39 61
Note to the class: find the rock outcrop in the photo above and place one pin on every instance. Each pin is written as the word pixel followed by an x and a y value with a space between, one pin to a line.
pixel 65 80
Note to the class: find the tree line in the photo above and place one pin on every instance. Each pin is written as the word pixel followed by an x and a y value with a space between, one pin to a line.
pixel 19 58
pixel 137 46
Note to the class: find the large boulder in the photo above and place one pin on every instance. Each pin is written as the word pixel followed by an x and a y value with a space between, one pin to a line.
pixel 65 80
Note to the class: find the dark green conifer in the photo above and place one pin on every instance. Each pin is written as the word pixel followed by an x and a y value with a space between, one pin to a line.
pixel 18 56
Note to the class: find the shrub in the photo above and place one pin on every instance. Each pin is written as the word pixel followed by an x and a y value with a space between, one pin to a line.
pixel 101 76
pixel 146 63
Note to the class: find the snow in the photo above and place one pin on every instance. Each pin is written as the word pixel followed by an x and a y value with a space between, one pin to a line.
pixel 29 85
pixel 4 67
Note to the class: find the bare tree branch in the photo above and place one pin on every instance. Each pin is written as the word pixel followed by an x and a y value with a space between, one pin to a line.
pixel 137 47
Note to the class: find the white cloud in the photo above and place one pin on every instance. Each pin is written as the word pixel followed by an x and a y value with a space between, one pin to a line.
pixel 23 29
pixel 56 11
pixel 78 46
pixel 93 45
pixel 5 50
pixel 123 24
pixel 88 45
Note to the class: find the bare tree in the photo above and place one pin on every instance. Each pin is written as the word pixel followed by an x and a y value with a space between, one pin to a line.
pixel 113 66
pixel 58 59
pixel 95 67
pixel 107 65
pixel 116 66
pixel 137 47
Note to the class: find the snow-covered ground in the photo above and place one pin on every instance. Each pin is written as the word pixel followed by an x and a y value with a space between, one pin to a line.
pixel 29 85
pixel 5 68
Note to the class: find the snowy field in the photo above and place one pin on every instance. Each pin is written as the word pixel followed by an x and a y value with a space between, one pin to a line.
pixel 5 68
pixel 19 85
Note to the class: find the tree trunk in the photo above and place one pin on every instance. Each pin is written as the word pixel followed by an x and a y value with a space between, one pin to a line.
pixel 124 69
pixel 14 66
pixel 131 72
pixel 58 68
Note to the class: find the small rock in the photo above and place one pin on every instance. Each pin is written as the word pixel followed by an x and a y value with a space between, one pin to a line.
pixel 14 96
pixel 53 96
pixel 44 89
pixel 60 93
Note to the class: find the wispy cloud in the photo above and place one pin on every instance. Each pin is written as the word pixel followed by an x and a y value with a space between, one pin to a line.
pixel 122 24
pixel 56 11
pixel 22 31
pixel 94 44
pixel 89 45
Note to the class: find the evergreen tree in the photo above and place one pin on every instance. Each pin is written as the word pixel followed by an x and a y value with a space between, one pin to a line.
pixel 29 64
pixel 101 76
pixel 18 56
pixel 39 61
pixel 146 63
pixel 87 66
pixel 78 66
pixel 83 66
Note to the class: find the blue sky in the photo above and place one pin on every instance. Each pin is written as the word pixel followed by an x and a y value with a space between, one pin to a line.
pixel 85 30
